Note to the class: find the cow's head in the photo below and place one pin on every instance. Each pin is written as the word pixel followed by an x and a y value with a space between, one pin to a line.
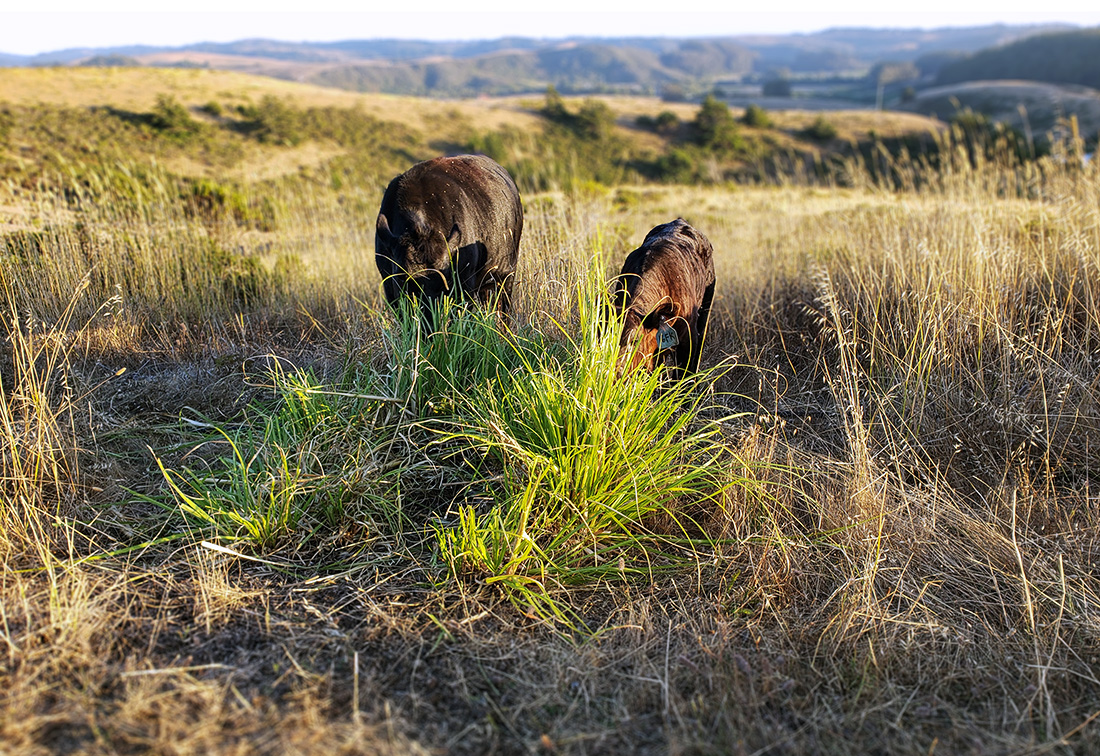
pixel 646 338
pixel 417 263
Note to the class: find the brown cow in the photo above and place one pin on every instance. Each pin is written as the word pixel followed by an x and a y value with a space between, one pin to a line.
pixel 447 225
pixel 665 287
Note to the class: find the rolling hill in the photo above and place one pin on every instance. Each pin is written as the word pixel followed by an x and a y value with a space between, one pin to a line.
pixel 1029 106
pixel 581 65
pixel 1062 58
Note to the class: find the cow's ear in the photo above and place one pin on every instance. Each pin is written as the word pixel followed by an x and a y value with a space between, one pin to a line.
pixel 383 228
pixel 452 238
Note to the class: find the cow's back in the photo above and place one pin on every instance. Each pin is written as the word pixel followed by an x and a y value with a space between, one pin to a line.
pixel 472 191
pixel 450 224
pixel 673 258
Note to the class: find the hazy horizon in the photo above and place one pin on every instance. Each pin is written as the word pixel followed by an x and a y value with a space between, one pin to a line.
pixel 58 26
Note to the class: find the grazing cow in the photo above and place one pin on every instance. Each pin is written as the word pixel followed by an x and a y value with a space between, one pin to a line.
pixel 450 225
pixel 665 287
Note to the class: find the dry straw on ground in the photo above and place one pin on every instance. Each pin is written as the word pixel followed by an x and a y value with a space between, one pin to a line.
pixel 905 564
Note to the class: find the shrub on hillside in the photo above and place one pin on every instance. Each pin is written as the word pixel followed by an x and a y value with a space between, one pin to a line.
pixel 207 200
pixel 666 122
pixel 272 122
pixel 675 166
pixel 756 117
pixel 592 121
pixel 715 127
pixel 172 119
pixel 821 129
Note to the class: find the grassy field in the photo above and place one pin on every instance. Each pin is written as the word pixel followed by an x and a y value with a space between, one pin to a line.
pixel 248 509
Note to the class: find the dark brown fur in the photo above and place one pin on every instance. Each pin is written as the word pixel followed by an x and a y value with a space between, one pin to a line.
pixel 669 279
pixel 449 224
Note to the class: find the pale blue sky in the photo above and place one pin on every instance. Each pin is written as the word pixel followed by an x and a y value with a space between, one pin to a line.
pixel 59 24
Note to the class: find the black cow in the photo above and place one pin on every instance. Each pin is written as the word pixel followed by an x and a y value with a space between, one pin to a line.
pixel 665 287
pixel 446 226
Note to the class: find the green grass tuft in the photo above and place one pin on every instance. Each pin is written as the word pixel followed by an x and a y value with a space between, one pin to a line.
pixel 598 469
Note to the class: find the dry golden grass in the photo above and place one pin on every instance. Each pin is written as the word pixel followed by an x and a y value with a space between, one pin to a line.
pixel 857 124
pixel 906 568
pixel 264 164
pixel 137 89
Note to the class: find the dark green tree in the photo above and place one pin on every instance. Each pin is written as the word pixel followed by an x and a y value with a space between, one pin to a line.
pixel 779 87
pixel 715 126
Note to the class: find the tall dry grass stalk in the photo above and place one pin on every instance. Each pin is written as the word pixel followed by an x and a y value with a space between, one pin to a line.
pixel 39 473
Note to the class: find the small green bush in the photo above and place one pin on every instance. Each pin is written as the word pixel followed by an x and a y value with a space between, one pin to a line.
pixel 715 127
pixel 676 165
pixel 821 130
pixel 272 122
pixel 667 122
pixel 593 121
pixel 756 117
pixel 208 200
pixel 590 460
pixel 172 119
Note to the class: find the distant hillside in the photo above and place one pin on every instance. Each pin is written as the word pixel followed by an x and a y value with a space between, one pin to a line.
pixel 1063 58
pixel 1028 106
pixel 367 49
pixel 77 54
pixel 848 49
pixel 580 65
pixel 571 68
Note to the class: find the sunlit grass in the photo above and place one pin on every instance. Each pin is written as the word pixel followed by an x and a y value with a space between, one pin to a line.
pixel 584 474
pixel 598 471
pixel 39 470
pixel 873 514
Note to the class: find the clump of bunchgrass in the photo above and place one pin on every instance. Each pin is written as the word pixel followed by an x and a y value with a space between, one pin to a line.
pixel 597 469
pixel 582 472
pixel 320 455
pixel 439 360
pixel 315 457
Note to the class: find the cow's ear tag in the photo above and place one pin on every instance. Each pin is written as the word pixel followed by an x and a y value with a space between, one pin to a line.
pixel 666 336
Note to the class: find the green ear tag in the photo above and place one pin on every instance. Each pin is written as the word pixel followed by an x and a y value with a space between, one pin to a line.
pixel 666 337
